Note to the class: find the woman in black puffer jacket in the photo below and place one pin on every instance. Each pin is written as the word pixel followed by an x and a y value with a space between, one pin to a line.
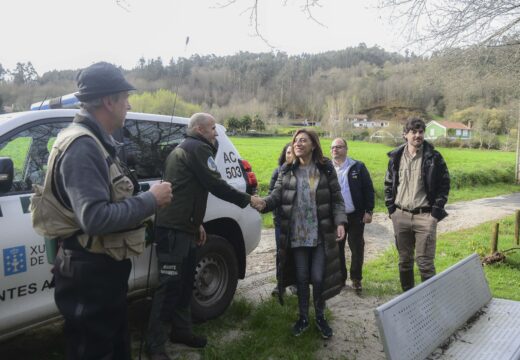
pixel 312 217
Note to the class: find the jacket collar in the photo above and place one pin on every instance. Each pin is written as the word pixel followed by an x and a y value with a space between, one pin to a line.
pixel 88 120
pixel 196 136
pixel 398 152
pixel 348 162
pixel 326 165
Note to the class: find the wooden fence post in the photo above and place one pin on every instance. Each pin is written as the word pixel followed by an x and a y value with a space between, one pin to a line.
pixel 517 227
pixel 494 239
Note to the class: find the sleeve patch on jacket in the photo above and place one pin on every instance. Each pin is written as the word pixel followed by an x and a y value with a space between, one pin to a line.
pixel 211 164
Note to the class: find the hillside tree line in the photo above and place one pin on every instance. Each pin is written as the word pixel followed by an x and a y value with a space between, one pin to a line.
pixel 280 89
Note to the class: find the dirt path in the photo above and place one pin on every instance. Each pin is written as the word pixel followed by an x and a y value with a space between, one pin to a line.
pixel 356 335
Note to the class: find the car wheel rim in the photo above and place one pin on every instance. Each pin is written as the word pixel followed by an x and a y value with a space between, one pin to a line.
pixel 211 279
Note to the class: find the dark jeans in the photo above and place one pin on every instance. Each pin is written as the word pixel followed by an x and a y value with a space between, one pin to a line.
pixel 176 258
pixel 91 295
pixel 310 267
pixel 356 243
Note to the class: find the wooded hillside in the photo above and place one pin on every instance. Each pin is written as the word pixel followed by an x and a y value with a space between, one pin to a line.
pixel 314 87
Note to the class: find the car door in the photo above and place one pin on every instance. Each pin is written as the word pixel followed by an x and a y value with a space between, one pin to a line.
pixel 25 276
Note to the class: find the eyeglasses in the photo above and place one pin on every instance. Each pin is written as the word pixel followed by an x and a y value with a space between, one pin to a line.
pixel 337 147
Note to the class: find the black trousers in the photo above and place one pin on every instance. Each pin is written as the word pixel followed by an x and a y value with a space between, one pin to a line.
pixel 356 243
pixel 91 295
pixel 176 257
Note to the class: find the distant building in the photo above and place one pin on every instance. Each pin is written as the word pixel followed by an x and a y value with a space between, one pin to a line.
pixel 371 123
pixel 355 117
pixel 359 121
pixel 340 124
pixel 448 129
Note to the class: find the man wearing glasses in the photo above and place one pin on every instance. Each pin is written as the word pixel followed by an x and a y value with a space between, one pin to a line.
pixel 358 194
pixel 417 184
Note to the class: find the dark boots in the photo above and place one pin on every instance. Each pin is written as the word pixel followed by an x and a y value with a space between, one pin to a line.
pixel 407 280
pixel 424 278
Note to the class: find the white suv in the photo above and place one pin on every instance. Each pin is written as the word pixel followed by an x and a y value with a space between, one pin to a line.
pixel 26 299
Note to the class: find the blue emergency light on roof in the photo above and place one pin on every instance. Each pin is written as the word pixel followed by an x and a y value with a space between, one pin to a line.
pixel 68 101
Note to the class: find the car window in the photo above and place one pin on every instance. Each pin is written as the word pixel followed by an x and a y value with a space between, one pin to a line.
pixel 29 150
pixel 148 143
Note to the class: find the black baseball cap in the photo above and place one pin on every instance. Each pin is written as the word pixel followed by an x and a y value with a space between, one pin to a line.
pixel 100 79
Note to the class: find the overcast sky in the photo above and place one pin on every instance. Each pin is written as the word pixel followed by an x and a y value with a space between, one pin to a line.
pixel 71 34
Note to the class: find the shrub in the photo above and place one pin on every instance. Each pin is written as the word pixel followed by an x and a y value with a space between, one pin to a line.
pixel 389 141
pixel 441 141
pixel 460 178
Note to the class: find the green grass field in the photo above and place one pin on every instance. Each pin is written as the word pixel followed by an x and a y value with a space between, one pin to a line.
pixel 474 173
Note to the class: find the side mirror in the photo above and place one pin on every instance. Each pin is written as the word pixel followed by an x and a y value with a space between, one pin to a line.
pixel 6 174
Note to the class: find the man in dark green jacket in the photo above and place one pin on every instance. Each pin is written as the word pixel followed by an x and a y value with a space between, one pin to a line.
pixel 193 172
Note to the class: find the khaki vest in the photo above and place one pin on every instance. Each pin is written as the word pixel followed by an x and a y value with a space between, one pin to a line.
pixel 52 220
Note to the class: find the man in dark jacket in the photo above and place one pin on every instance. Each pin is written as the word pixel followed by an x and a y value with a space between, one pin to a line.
pixel 417 184
pixel 358 194
pixel 191 165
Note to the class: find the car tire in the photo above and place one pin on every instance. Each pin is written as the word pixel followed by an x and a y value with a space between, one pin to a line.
pixel 216 277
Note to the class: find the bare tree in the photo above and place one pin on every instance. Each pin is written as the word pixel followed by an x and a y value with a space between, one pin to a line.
pixel 123 4
pixel 251 8
pixel 479 34
pixel 438 24
pixel 435 24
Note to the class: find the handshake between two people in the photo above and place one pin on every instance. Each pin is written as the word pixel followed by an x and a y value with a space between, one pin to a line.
pixel 257 203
